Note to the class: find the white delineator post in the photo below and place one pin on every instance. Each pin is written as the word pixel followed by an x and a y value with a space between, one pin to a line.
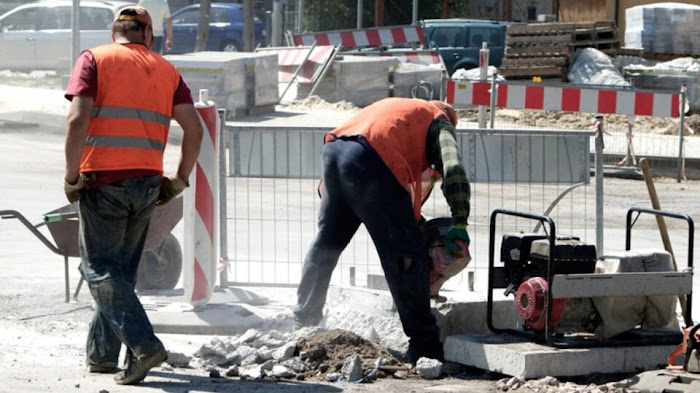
pixel 201 211
pixel 483 75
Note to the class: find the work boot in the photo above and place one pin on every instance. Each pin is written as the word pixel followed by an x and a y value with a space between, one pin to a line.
pixel 103 368
pixel 137 367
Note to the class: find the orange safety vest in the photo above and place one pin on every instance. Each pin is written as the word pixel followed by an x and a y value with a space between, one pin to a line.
pixel 130 119
pixel 397 129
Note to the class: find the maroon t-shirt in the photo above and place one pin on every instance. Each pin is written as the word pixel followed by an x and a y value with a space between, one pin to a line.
pixel 83 82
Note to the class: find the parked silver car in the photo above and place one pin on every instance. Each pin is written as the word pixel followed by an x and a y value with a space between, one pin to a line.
pixel 38 36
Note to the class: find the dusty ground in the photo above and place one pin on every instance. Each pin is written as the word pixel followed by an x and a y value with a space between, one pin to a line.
pixel 42 337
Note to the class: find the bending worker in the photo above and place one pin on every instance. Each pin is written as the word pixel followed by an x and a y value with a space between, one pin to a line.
pixel 378 169
pixel 123 96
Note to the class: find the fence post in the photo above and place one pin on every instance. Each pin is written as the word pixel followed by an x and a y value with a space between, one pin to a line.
pixel 680 135
pixel 483 75
pixel 223 233
pixel 493 101
pixel 599 146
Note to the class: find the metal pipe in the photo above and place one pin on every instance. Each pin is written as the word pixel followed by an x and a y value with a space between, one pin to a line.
pixel 75 28
pixel 414 14
pixel 680 135
pixel 223 232
pixel 359 14
pixel 599 146
pixel 300 16
pixel 276 23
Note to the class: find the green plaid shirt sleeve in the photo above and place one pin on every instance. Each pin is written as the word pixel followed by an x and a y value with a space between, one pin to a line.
pixel 442 152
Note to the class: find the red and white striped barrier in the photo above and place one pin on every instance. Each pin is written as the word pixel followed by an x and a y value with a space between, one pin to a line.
pixel 289 59
pixel 379 36
pixel 201 211
pixel 560 98
pixel 428 56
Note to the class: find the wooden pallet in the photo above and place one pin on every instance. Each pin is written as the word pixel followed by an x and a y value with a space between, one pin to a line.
pixel 558 61
pixel 551 50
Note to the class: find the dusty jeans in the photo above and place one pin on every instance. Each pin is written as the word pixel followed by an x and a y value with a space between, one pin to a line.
pixel 114 221
pixel 359 188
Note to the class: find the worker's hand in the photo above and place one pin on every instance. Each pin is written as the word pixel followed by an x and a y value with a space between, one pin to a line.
pixel 457 232
pixel 73 190
pixel 170 187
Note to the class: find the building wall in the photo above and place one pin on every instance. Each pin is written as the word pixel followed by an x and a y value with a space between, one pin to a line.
pixel 582 11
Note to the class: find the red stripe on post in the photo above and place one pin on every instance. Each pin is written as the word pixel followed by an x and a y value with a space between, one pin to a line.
pixel 481 95
pixel 570 99
pixel 398 35
pixel 204 201
pixel 534 97
pixel 644 103
pixel 201 283
pixel 607 101
pixel 347 39
pixel 675 105
pixel 322 39
pixel 450 91
pixel 502 95
pixel 412 56
pixel 373 38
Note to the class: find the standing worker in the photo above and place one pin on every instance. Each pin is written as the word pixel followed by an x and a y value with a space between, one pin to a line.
pixel 123 96
pixel 378 169
pixel 159 10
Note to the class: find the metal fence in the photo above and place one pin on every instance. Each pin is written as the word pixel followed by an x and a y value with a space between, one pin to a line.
pixel 273 201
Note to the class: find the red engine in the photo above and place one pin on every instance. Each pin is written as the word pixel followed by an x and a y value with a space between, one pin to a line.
pixel 531 304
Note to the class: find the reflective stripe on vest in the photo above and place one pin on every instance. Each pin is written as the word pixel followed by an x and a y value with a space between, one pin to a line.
pixel 131 113
pixel 397 129
pixel 133 107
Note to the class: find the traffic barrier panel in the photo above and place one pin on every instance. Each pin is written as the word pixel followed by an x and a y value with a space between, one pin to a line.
pixel 350 39
pixel 564 98
pixel 290 58
pixel 428 56
pixel 201 211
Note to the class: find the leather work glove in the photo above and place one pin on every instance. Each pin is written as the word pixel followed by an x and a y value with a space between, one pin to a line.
pixel 73 190
pixel 457 232
pixel 170 187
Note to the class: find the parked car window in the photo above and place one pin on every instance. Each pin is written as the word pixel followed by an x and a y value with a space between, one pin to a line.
pixel 92 18
pixel 219 15
pixel 477 35
pixel 446 36
pixel 26 19
pixel 187 17
pixel 57 18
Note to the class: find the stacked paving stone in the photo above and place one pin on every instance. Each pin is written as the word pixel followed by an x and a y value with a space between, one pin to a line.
pixel 667 28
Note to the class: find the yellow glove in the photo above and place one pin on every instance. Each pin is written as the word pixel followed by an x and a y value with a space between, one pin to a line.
pixel 73 190
pixel 170 187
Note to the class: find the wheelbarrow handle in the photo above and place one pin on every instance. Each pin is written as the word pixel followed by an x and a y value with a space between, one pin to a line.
pixel 7 214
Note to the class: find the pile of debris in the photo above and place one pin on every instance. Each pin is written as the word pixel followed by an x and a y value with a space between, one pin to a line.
pixel 306 354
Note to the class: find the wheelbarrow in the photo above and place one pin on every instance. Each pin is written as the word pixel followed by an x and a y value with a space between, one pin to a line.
pixel 161 262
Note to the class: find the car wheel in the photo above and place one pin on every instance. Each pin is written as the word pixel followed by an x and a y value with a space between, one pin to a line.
pixel 160 267
pixel 230 46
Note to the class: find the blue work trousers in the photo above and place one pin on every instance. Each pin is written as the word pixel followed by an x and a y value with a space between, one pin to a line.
pixel 359 188
pixel 114 221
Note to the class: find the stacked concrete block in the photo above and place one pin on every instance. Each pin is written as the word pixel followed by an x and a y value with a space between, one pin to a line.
pixel 239 82
pixel 663 28
pixel 357 79
pixel 418 80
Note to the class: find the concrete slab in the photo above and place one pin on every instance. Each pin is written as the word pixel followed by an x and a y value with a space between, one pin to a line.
pixel 663 381
pixel 230 311
pixel 515 356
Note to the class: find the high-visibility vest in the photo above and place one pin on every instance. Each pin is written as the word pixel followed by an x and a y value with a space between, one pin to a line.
pixel 397 129
pixel 130 119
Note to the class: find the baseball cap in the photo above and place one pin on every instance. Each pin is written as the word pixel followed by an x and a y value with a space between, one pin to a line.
pixel 134 12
